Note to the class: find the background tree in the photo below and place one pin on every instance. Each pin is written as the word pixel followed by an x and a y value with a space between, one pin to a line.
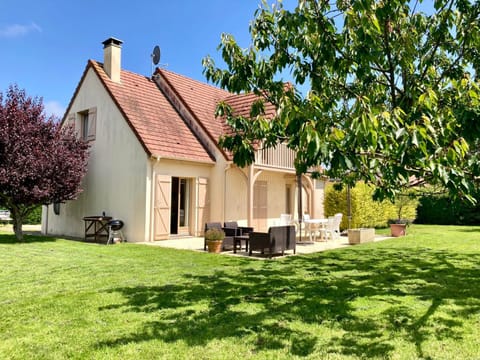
pixel 381 90
pixel 40 162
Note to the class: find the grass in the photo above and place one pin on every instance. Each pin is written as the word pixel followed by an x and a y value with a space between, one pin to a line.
pixel 415 297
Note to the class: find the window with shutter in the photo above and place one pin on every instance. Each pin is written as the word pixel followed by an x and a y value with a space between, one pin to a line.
pixel 88 124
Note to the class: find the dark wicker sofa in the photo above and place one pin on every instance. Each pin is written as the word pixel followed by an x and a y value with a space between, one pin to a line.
pixel 276 241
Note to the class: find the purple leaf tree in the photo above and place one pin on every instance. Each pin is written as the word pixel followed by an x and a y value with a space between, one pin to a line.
pixel 41 162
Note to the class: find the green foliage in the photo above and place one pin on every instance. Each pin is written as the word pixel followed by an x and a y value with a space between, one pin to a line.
pixel 35 216
pixel 214 234
pixel 365 211
pixel 388 91
pixel 442 209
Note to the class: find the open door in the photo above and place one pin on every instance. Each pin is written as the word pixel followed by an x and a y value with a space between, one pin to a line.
pixel 180 206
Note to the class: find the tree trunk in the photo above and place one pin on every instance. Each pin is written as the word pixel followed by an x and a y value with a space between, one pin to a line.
pixel 17 219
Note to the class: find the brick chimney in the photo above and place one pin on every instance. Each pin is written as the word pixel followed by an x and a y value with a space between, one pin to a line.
pixel 112 56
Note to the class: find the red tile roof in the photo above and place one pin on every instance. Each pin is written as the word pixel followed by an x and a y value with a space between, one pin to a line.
pixel 158 126
pixel 202 100
pixel 155 121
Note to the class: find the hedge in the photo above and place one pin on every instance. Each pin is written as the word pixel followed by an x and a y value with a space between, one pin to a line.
pixel 365 211
pixel 443 210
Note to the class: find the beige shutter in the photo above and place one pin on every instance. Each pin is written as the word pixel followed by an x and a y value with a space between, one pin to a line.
pixel 92 123
pixel 163 189
pixel 203 204
pixel 260 206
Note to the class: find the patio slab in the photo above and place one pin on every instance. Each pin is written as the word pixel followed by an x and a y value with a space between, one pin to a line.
pixel 196 244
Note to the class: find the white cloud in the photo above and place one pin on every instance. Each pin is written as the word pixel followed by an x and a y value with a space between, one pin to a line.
pixel 54 108
pixel 16 30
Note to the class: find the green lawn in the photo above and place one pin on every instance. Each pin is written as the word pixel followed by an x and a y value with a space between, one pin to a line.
pixel 406 298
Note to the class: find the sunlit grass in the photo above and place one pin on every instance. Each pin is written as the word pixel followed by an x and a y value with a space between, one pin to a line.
pixel 405 298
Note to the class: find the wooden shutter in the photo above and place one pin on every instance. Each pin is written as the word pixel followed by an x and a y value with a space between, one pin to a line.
pixel 202 204
pixel 163 189
pixel 92 123
pixel 260 205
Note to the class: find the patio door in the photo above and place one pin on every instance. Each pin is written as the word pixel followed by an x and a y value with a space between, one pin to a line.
pixel 180 206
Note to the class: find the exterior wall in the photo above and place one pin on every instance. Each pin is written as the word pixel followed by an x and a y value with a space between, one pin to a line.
pixel 236 191
pixel 276 199
pixel 116 181
pixel 319 191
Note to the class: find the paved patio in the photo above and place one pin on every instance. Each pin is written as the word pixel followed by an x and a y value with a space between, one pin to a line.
pixel 304 247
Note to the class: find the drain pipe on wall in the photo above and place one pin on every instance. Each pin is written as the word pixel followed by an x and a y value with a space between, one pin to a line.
pixel 152 199
pixel 227 167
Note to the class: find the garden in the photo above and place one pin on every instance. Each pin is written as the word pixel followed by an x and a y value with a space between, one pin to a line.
pixel 411 297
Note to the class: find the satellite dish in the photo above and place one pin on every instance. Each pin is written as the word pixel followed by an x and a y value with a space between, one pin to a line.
pixel 156 55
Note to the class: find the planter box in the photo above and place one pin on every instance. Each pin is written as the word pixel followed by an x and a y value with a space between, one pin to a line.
pixel 361 235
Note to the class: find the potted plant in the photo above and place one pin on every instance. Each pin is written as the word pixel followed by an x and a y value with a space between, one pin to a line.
pixel 214 239
pixel 404 203
pixel 398 227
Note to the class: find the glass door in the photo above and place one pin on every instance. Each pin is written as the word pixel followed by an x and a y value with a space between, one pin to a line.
pixel 180 206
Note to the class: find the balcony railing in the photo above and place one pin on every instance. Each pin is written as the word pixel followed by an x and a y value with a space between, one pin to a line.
pixel 280 157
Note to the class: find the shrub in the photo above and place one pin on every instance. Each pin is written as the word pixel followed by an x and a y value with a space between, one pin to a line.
pixel 35 217
pixel 441 209
pixel 365 211
pixel 214 234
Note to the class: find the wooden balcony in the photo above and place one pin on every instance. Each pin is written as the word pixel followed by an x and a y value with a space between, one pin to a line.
pixel 280 157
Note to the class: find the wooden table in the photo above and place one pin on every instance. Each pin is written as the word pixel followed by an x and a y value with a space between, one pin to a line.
pixel 96 227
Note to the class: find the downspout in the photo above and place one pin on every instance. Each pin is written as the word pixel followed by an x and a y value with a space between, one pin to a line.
pixel 227 167
pixel 46 220
pixel 251 175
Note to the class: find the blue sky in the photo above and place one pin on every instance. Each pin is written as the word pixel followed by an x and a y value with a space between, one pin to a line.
pixel 45 44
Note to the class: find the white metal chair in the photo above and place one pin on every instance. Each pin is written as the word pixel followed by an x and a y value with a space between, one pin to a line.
pixel 307 227
pixel 329 229
pixel 285 219
pixel 338 219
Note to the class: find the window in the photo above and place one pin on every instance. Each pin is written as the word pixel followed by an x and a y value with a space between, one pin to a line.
pixel 84 130
pixel 88 124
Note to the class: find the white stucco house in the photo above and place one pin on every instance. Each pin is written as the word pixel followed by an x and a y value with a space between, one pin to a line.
pixel 155 162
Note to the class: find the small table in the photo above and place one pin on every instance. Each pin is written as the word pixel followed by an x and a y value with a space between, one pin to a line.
pixel 238 240
pixel 96 227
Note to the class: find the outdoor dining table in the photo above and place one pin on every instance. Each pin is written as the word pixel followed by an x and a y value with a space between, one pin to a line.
pixel 313 226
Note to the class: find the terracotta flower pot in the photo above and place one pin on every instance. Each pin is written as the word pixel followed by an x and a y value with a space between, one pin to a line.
pixel 214 246
pixel 398 230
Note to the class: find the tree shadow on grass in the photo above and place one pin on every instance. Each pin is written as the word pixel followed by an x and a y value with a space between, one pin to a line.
pixel 307 304
pixel 27 239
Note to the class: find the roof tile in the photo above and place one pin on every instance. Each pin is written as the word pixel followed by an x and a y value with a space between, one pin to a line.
pixel 154 120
